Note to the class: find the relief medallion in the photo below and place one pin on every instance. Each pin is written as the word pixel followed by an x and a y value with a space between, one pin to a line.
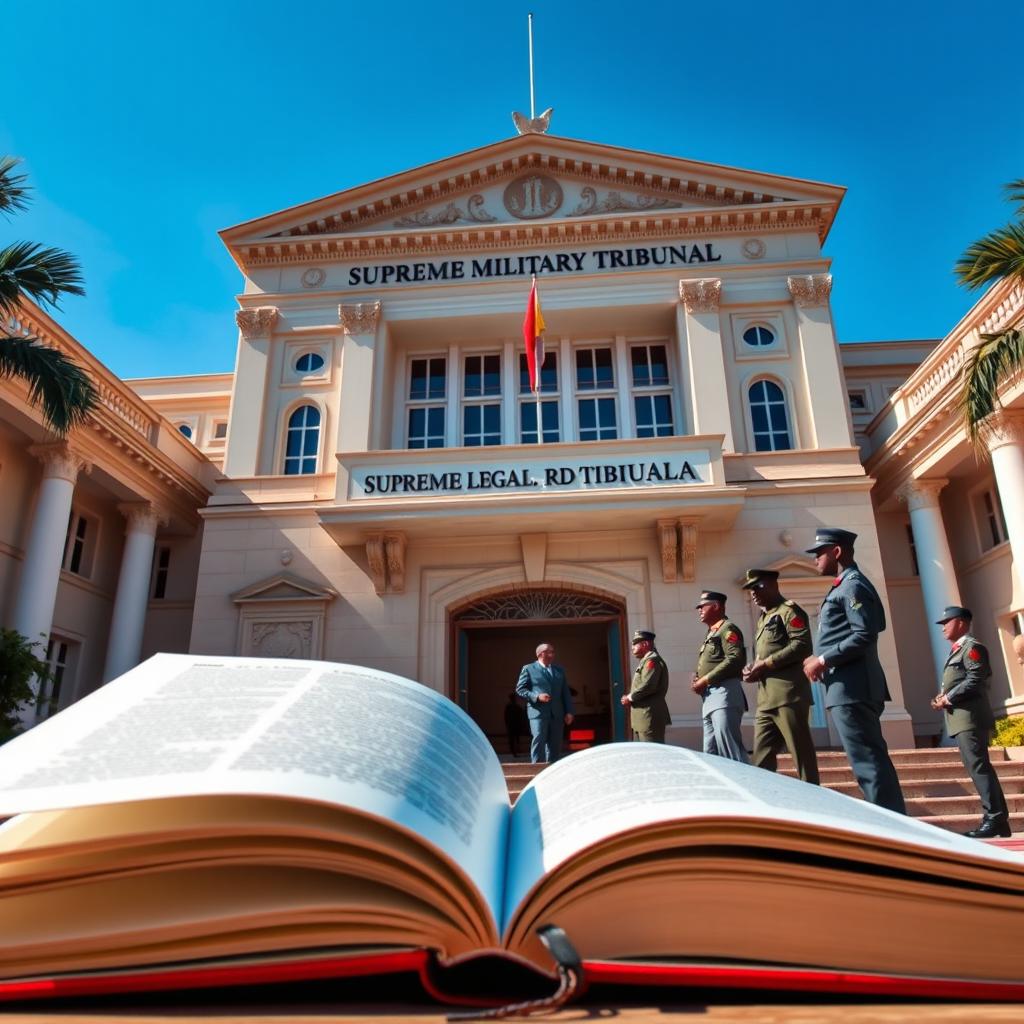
pixel 533 196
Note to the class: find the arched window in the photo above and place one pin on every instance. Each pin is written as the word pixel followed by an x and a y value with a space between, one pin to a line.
pixel 185 430
pixel 769 417
pixel 302 441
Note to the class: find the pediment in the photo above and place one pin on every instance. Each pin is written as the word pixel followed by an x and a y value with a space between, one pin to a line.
pixel 792 568
pixel 528 181
pixel 282 588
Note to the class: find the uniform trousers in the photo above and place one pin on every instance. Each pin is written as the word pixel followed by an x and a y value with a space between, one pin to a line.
pixel 722 734
pixel 973 745
pixel 787 727
pixel 650 734
pixel 860 731
pixel 545 740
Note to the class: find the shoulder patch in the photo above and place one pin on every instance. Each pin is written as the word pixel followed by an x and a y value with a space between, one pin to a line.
pixel 854 603
pixel 797 623
pixel 733 638
pixel 974 654
pixel 651 664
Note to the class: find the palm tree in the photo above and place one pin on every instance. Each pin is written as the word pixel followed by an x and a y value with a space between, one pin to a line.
pixel 999 359
pixel 62 389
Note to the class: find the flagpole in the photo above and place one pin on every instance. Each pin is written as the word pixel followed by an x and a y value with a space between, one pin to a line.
pixel 529 23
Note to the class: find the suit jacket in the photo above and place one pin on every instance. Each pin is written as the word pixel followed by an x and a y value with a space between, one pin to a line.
pixel 648 707
pixel 783 640
pixel 721 660
pixel 851 619
pixel 534 680
pixel 965 682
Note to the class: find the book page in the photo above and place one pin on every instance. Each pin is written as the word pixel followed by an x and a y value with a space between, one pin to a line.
pixel 185 725
pixel 595 794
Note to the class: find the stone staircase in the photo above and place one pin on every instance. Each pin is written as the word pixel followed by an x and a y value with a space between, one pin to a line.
pixel 936 787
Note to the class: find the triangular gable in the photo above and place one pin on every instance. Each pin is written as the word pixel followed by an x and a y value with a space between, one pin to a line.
pixel 283 587
pixel 527 181
pixel 792 569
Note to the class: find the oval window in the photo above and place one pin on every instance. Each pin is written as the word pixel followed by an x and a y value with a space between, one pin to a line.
pixel 185 430
pixel 309 362
pixel 758 336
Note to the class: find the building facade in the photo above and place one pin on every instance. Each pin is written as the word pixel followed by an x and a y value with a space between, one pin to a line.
pixel 373 487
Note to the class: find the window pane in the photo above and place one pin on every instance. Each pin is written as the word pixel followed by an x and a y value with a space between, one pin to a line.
pixel 778 415
pixel 762 443
pixel 492 375
pixel 644 413
pixel 438 369
pixel 641 369
pixel 418 379
pixel 472 385
pixel 294 445
pixel 492 419
pixel 309 445
pixel 772 392
pixel 435 421
pixel 549 417
pixel 606 417
pixel 588 414
pixel 585 378
pixel 659 364
pixel 417 419
pixel 759 417
pixel 603 359
pixel 471 419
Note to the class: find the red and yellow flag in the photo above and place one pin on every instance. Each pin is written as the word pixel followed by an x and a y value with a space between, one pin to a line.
pixel 533 335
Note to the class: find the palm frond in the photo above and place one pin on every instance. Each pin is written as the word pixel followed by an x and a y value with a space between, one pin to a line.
pixel 26 268
pixel 998 361
pixel 13 191
pixel 998 255
pixel 59 386
pixel 1015 194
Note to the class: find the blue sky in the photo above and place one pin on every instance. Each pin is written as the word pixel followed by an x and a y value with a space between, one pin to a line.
pixel 147 128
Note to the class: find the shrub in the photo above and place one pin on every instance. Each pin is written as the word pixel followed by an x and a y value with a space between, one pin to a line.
pixel 1009 732
pixel 18 666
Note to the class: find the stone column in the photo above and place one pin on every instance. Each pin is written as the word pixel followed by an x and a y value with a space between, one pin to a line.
pixel 826 388
pixel 248 399
pixel 359 322
pixel 939 585
pixel 703 361
pixel 1005 442
pixel 40 570
pixel 124 645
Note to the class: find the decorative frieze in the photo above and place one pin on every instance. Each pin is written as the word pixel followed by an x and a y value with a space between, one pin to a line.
pixel 359 317
pixel 810 290
pixel 60 461
pixel 918 494
pixel 256 322
pixel 701 296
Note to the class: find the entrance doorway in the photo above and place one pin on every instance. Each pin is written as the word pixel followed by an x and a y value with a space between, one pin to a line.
pixel 494 638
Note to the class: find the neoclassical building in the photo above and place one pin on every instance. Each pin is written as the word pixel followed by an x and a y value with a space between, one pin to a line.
pixel 376 483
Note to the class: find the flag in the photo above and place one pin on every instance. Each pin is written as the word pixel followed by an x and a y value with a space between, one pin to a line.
pixel 533 335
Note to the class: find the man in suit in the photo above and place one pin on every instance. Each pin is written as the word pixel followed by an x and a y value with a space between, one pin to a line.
pixel 781 642
pixel 969 719
pixel 648 710
pixel 847 663
pixel 542 684
pixel 717 680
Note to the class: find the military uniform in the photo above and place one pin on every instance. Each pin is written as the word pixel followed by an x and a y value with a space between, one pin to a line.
pixel 782 641
pixel 648 709
pixel 855 688
pixel 970 720
pixel 720 661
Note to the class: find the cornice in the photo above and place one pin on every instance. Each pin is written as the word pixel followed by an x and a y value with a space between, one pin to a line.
pixel 778 217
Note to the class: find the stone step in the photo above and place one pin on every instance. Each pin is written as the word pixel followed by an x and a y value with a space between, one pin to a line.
pixel 1009 772
pixel 915 756
pixel 965 822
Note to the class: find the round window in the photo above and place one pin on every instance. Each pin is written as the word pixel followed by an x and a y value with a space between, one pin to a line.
pixel 185 430
pixel 309 362
pixel 758 336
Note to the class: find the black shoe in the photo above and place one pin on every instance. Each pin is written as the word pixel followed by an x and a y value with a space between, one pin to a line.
pixel 990 828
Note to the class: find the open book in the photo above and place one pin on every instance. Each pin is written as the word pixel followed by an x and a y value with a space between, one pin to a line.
pixel 207 820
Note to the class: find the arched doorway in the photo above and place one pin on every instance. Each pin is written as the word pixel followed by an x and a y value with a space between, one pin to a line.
pixel 494 635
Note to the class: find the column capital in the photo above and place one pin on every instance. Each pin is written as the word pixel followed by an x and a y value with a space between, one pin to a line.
pixel 701 296
pixel 1004 428
pixel 810 290
pixel 359 317
pixel 256 322
pixel 60 461
pixel 142 516
pixel 917 494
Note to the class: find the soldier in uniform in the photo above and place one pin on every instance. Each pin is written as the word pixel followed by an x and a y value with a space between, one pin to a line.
pixel 969 719
pixel 648 710
pixel 847 663
pixel 717 680
pixel 781 642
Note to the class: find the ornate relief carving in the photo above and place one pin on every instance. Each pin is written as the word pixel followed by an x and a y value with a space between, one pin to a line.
pixel 143 516
pixel 376 561
pixel 1002 429
pixel 810 290
pixel 754 248
pixel 616 201
pixel 313 277
pixel 394 555
pixel 533 196
pixel 290 639
pixel 61 461
pixel 918 494
pixel 532 125
pixel 475 212
pixel 257 322
pixel 668 542
pixel 688 537
pixel 525 605
pixel 703 296
pixel 359 317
